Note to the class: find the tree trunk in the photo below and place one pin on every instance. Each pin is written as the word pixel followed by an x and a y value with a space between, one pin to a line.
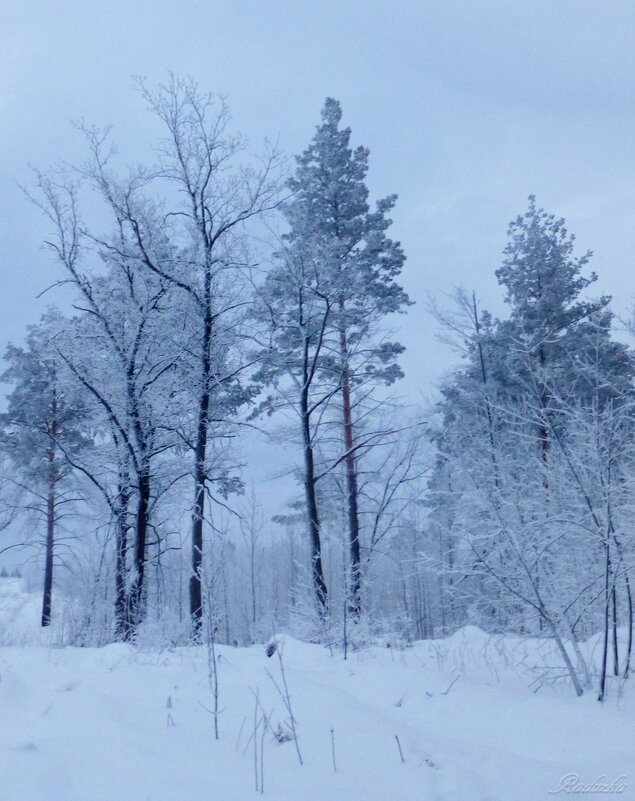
pixel 355 577
pixel 50 518
pixel 565 658
pixel 582 663
pixel 629 606
pixel 252 579
pixel 605 638
pixel 200 473
pixel 50 544
pixel 122 621
pixel 616 658
pixel 196 586
pixel 141 536
pixel 317 571
pixel 629 645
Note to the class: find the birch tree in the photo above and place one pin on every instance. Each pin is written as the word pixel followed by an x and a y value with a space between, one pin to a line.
pixel 182 222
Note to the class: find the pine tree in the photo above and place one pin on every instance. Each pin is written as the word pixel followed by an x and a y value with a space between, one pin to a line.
pixel 554 341
pixel 45 423
pixel 357 267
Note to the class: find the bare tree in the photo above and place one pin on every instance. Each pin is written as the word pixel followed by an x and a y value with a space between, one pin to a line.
pixel 191 245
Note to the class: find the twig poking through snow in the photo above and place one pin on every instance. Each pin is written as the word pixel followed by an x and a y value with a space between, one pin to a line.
pixel 284 694
pixel 255 736
pixel 400 751
pixel 333 749
pixel 240 734
pixel 452 683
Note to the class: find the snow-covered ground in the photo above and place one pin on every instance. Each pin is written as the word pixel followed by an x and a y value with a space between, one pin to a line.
pixel 125 724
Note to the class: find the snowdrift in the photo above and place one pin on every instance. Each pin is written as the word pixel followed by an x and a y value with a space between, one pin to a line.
pixel 460 719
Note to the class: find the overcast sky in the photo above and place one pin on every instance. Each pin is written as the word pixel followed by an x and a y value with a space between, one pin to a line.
pixel 467 107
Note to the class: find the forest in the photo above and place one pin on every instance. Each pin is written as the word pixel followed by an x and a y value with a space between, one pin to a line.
pixel 214 311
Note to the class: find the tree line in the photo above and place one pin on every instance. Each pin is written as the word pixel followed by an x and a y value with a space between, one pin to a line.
pixel 215 294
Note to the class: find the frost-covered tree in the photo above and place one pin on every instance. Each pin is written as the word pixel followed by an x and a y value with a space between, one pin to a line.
pixel 296 363
pixel 117 352
pixel 356 266
pixel 181 223
pixel 551 327
pixel 215 197
pixel 44 428
pixel 527 427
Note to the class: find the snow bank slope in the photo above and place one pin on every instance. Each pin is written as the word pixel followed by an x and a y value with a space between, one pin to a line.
pixel 117 724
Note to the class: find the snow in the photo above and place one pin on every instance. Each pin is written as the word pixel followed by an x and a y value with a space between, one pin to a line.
pixel 128 724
